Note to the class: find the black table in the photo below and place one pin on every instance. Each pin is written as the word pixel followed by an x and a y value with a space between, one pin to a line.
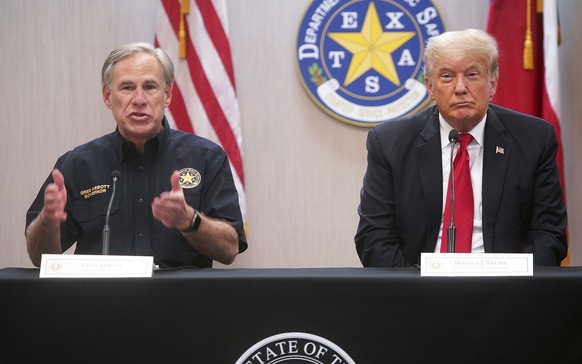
pixel 213 316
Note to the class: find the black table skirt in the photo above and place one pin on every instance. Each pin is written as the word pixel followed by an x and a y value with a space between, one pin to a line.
pixel 212 316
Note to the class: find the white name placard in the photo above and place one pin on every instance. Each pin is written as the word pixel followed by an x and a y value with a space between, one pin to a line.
pixel 476 265
pixel 95 266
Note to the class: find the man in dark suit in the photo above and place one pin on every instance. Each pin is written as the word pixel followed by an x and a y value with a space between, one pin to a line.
pixel 518 201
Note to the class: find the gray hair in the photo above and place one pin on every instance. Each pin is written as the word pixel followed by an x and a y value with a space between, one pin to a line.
pixel 469 43
pixel 132 48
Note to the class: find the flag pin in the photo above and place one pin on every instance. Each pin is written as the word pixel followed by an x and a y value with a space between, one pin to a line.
pixel 499 150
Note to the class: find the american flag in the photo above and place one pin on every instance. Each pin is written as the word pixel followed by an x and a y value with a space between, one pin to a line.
pixel 194 33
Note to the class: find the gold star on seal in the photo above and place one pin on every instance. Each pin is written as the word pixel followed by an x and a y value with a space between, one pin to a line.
pixel 187 178
pixel 372 48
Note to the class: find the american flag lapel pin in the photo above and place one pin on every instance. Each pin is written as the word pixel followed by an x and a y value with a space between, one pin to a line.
pixel 499 150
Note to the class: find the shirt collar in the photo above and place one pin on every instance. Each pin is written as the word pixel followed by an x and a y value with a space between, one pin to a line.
pixel 478 132
pixel 123 146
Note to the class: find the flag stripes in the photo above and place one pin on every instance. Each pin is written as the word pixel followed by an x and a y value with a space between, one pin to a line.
pixel 218 37
pixel 204 96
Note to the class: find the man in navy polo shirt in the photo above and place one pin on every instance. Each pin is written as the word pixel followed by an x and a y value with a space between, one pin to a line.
pixel 175 200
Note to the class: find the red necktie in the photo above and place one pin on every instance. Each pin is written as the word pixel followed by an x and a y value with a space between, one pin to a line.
pixel 463 200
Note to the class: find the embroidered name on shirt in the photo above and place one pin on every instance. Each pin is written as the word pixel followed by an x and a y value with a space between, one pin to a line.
pixel 95 190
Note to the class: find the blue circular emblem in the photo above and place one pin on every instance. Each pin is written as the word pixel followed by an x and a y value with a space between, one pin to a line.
pixel 361 60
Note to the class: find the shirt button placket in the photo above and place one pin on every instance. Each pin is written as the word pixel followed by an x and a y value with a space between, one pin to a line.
pixel 141 213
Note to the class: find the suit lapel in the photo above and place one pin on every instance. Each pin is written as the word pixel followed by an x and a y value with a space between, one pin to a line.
pixel 428 158
pixel 496 153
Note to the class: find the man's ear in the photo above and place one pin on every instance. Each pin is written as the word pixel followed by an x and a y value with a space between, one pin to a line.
pixel 428 84
pixel 168 92
pixel 106 93
pixel 492 89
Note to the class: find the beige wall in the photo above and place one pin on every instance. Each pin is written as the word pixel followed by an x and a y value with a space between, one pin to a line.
pixel 303 169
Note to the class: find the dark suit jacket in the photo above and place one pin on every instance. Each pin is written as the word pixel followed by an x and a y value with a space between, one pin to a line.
pixel 401 198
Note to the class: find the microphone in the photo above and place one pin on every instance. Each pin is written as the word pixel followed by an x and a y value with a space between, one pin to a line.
pixel 115 175
pixel 452 230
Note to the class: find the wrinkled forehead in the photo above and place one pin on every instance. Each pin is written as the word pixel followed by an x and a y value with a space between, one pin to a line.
pixel 461 65
pixel 142 66
pixel 458 61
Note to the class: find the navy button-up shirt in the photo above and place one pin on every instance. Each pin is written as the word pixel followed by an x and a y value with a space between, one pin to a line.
pixel 209 188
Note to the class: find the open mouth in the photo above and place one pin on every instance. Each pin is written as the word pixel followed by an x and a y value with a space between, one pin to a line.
pixel 138 116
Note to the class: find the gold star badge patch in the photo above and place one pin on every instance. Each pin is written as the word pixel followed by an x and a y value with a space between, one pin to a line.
pixel 189 177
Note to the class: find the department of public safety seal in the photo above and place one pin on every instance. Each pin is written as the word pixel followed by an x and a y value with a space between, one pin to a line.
pixel 295 348
pixel 189 177
pixel 361 60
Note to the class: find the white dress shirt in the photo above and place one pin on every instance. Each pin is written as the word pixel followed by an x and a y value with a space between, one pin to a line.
pixel 475 150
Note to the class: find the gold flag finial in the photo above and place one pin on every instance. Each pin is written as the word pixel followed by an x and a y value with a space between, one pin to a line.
pixel 184 9
pixel 528 62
